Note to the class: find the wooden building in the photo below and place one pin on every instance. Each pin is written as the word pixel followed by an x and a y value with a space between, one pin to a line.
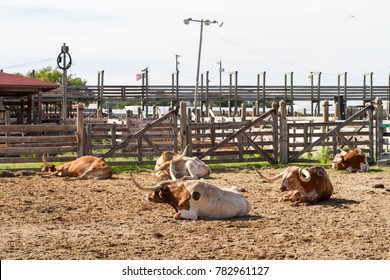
pixel 21 97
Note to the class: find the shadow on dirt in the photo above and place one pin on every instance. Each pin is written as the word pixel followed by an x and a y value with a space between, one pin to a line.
pixel 338 202
pixel 237 219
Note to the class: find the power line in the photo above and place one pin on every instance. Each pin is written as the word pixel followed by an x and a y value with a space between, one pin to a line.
pixel 259 53
pixel 28 64
pixel 269 56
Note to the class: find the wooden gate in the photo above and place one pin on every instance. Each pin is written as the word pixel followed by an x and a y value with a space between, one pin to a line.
pixel 141 142
pixel 300 138
pixel 217 141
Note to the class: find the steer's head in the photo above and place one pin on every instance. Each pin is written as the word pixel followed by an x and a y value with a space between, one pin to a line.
pixel 338 161
pixel 294 175
pixel 354 159
pixel 172 193
pixel 48 167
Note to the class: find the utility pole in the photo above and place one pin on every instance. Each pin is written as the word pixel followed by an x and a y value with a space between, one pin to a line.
pixel 177 62
pixel 205 22
pixel 220 84
pixel 64 66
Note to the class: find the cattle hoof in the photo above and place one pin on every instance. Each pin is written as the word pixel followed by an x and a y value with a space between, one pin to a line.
pixel 177 216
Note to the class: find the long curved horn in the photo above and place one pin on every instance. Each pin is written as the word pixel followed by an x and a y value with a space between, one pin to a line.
pixel 138 185
pixel 172 171
pixel 304 175
pixel 165 165
pixel 145 170
pixel 181 156
pixel 270 180
pixel 185 150
pixel 162 167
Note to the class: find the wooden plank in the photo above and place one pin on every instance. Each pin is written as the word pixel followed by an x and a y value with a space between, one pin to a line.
pixel 43 144
pixel 6 160
pixel 40 139
pixel 37 128
pixel 36 150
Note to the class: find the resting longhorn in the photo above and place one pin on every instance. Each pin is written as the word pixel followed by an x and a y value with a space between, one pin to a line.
pixel 175 166
pixel 352 161
pixel 198 199
pixel 85 167
pixel 303 185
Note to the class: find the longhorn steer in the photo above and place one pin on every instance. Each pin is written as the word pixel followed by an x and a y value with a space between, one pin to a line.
pixel 303 185
pixel 161 169
pixel 198 199
pixel 353 160
pixel 181 166
pixel 85 167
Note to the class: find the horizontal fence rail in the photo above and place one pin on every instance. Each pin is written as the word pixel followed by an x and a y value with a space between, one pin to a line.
pixel 224 93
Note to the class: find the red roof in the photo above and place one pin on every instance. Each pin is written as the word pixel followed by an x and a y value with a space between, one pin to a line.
pixel 14 83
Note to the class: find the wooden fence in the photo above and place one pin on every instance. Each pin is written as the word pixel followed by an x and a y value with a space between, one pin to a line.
pixel 271 137
pixel 233 95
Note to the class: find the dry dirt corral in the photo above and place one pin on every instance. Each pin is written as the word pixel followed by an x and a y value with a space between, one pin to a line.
pixel 110 219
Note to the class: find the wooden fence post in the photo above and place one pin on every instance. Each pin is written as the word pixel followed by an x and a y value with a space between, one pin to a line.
pixel 154 112
pixel 336 111
pixel 80 131
pixel 379 127
pixel 113 135
pixel 174 131
pixel 275 132
pixel 325 116
pixel 326 111
pixel 189 131
pixel 243 112
pixel 283 132
pixel 371 134
pixel 183 124
pixel 129 115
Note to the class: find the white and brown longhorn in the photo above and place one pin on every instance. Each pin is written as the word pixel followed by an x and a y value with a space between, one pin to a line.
pixel 85 167
pixel 198 200
pixel 178 166
pixel 352 161
pixel 303 185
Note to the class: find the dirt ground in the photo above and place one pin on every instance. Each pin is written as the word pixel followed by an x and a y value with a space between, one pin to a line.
pixel 110 219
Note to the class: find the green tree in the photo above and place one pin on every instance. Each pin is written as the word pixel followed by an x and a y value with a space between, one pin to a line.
pixel 49 74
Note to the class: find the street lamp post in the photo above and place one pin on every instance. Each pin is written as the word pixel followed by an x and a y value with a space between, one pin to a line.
pixel 202 22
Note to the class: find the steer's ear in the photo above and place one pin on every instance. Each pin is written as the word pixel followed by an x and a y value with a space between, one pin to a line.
pixel 183 201
pixel 196 195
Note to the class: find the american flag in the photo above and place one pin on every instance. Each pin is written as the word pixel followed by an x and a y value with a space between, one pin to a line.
pixel 138 76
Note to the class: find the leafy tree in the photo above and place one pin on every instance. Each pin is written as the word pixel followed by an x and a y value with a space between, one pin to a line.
pixel 49 74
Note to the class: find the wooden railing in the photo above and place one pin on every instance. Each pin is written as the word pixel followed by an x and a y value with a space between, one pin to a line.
pixel 224 93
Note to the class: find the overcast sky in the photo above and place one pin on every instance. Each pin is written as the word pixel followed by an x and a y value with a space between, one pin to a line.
pixel 124 37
